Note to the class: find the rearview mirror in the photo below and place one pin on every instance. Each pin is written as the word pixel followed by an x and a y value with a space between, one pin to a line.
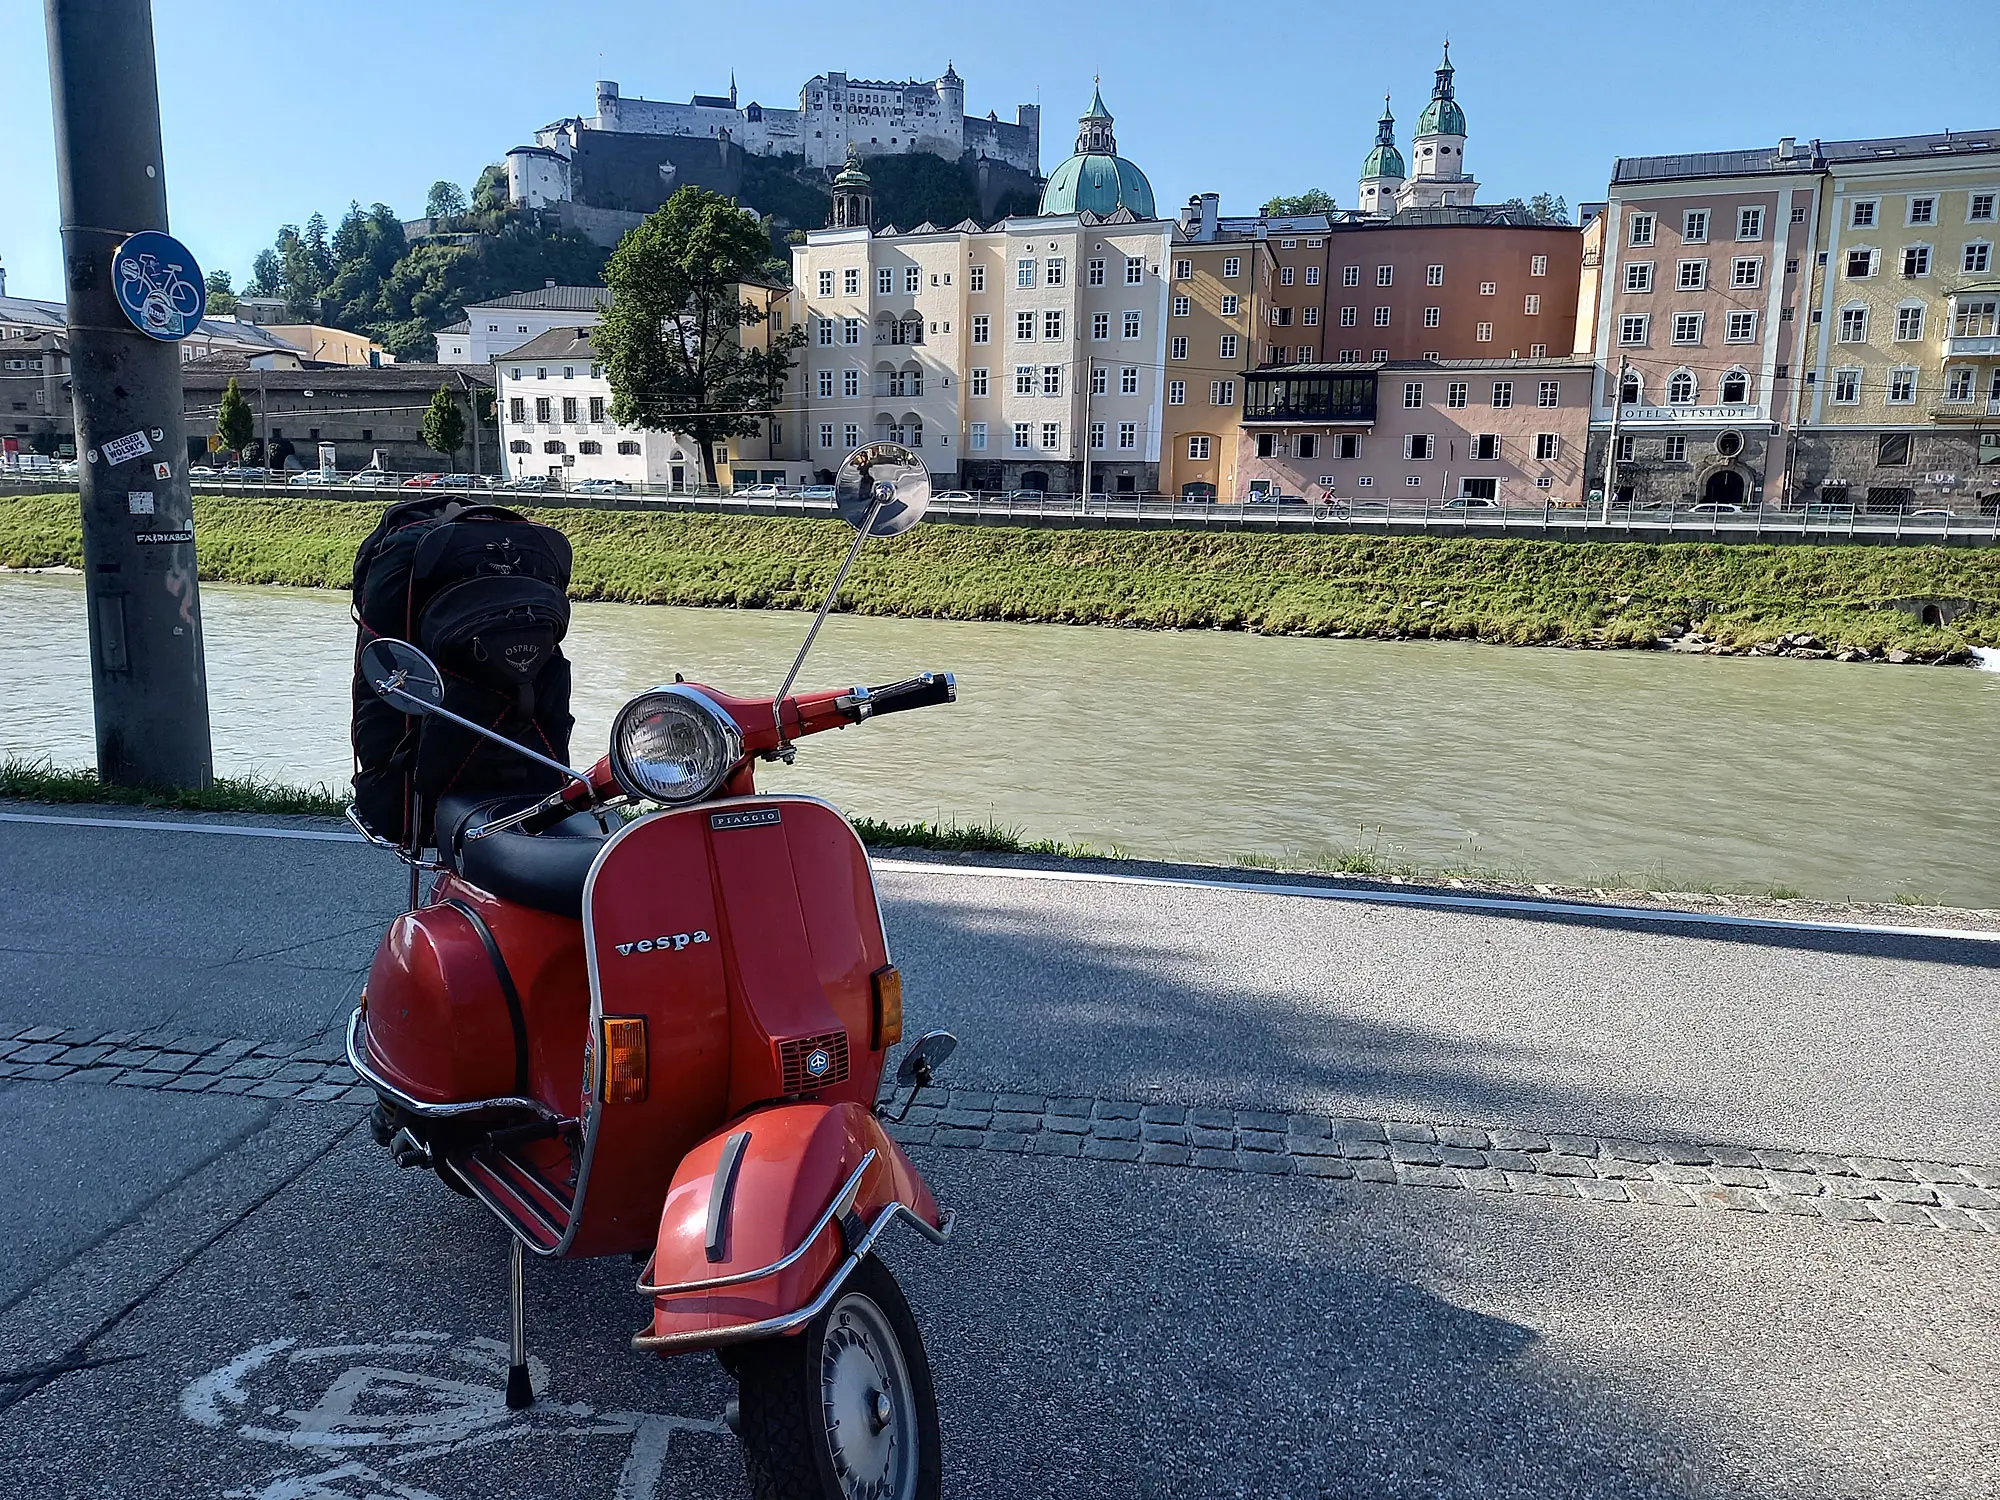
pixel 881 489
pixel 402 675
pixel 926 1055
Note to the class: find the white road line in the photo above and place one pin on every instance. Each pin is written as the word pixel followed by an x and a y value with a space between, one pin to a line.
pixel 1436 899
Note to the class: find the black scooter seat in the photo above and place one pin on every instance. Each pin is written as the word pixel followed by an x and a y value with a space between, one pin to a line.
pixel 544 870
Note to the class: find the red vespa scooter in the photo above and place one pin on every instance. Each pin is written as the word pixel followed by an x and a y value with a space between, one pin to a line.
pixel 664 1035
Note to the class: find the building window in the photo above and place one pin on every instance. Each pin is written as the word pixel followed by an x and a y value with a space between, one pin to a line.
pixel 1024 380
pixel 1385 276
pixel 1128 434
pixel 1735 388
pixel 520 446
pixel 1052 325
pixel 1052 271
pixel 975 437
pixel 850 383
pixel 1674 450
pixel 1892 450
pixel 1183 306
pixel 1052 380
pixel 1222 393
pixel 1846 387
pixel 885 281
pixel 1270 445
pixel 1345 445
pixel 1923 211
pixel 1692 275
pixel 1023 437
pixel 1350 276
pixel 1916 260
pixel 543 407
pixel 1128 380
pixel 1455 393
pixel 1860 264
pixel 1538 351
pixel 1694 226
pixel 1179 348
pixel 1096 273
pixel 1227 346
pixel 1979 208
pixel 1488 288
pixel 517 410
pixel 1749 223
pixel 1680 389
pixel 1413 394
pixel 1625 446
pixel 982 329
pixel 1863 215
pixel 587 446
pixel 825 436
pixel 1531 304
pixel 1131 325
pixel 597 408
pixel 1687 328
pixel 1902 386
pixel 1485 447
pixel 1381 317
pixel 1349 316
pixel 1854 325
pixel 1097 436
pixel 1958 384
pixel 850 330
pixel 1978 258
pixel 826 332
pixel 1550 394
pixel 1642 230
pixel 1483 333
pixel 1232 265
pixel 1909 322
pixel 850 281
pixel 552 447
pixel 1306 445
pixel 826 283
pixel 850 434
pixel 1503 393
pixel 1183 270
pixel 1024 326
pixel 1135 270
pixel 1312 275
pixel 1418 445
pixel 1284 276
pixel 1639 276
pixel 1051 435
pixel 569 408
pixel 1741 327
pixel 1177 393
pixel 1433 316
pixel 975 279
pixel 1747 270
pixel 1310 317
pixel 1229 304
pixel 1024 273
pixel 1198 448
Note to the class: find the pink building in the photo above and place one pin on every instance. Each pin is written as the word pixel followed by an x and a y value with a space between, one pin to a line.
pixel 1512 430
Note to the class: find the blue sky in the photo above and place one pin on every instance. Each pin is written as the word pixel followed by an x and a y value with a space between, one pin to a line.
pixel 274 110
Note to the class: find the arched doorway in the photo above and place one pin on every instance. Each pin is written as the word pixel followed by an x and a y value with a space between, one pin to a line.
pixel 1724 487
pixel 1036 480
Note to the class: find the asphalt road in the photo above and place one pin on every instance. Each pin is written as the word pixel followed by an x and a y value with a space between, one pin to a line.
pixel 239 1297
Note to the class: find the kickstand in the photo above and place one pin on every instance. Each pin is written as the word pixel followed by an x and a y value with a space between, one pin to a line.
pixel 520 1390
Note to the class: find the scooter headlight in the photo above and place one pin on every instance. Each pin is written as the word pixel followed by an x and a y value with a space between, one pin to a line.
pixel 673 745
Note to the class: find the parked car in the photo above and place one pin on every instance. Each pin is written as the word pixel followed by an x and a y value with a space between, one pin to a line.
pixel 373 478
pixel 602 487
pixel 526 482
pixel 1275 497
pixel 816 492
pixel 1715 508
pixel 314 476
pixel 1934 513
pixel 759 491
pixel 1471 502
pixel 201 471
pixel 951 495
pixel 422 481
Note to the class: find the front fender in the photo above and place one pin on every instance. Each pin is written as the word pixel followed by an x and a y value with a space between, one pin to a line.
pixel 794 1164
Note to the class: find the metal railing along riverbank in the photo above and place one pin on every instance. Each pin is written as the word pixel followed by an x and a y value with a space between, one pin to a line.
pixel 1433 517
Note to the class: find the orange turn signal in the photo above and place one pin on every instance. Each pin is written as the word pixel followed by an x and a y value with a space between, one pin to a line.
pixel 887 1027
pixel 624 1060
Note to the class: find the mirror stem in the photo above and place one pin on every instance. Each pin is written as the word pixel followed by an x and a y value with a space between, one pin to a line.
pixel 784 751
pixel 394 692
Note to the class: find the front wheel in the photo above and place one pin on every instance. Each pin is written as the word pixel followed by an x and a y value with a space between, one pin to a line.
pixel 844 1410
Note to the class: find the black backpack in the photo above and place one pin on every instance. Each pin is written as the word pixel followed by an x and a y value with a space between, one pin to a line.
pixel 480 589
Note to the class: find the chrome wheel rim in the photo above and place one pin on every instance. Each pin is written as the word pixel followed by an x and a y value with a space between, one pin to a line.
pixel 870 1411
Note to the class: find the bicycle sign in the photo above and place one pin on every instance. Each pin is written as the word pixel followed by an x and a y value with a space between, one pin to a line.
pixel 159 285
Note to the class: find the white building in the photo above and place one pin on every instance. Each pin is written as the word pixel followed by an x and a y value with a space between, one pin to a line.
pixel 1009 357
pixel 491 329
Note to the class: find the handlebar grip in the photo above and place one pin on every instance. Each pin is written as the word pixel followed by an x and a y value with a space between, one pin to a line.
pixel 926 690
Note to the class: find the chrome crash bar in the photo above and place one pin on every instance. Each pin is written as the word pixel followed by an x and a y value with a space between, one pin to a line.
pixel 741 1333
pixel 357 1059
pixel 843 1202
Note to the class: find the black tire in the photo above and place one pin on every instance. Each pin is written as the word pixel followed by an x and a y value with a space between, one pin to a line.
pixel 783 1400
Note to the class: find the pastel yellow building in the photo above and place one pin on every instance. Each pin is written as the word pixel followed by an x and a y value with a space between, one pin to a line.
pixel 1216 293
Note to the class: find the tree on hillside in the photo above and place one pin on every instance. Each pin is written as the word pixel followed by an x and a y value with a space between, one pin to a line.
pixel 489 194
pixel 673 337
pixel 1291 206
pixel 446 201
pixel 233 422
pixel 221 294
pixel 444 423
pixel 264 273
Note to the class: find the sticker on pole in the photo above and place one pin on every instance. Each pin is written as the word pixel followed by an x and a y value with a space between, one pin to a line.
pixel 123 450
pixel 159 285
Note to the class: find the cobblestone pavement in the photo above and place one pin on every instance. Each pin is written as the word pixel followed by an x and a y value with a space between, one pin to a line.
pixel 1960 1196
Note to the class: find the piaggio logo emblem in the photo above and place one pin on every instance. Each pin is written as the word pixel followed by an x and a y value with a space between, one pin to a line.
pixel 817 1062
pixel 671 943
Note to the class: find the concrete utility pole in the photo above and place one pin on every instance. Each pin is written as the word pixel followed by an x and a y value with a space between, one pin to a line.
pixel 149 683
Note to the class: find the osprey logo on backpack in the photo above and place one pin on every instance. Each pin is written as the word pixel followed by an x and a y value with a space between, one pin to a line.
pixel 522 656
pixel 504 559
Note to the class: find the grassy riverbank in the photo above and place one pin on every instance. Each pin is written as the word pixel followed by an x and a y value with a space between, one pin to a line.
pixel 1512 592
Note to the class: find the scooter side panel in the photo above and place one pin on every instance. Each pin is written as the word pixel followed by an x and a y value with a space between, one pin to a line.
pixel 544 955
pixel 437 1023
pixel 650 923
pixel 796 1160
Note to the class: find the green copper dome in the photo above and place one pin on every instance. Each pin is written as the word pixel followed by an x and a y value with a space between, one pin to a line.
pixel 1442 116
pixel 1385 160
pixel 1097 178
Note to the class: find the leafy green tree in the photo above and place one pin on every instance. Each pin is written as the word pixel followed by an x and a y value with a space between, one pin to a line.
pixel 446 201
pixel 444 423
pixel 264 273
pixel 1549 210
pixel 672 338
pixel 233 421
pixel 221 295
pixel 489 194
pixel 1291 206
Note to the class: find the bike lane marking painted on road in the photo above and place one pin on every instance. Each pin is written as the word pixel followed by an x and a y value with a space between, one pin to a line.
pixel 1522 906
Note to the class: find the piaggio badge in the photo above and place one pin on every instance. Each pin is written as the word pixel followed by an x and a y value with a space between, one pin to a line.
pixel 756 817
